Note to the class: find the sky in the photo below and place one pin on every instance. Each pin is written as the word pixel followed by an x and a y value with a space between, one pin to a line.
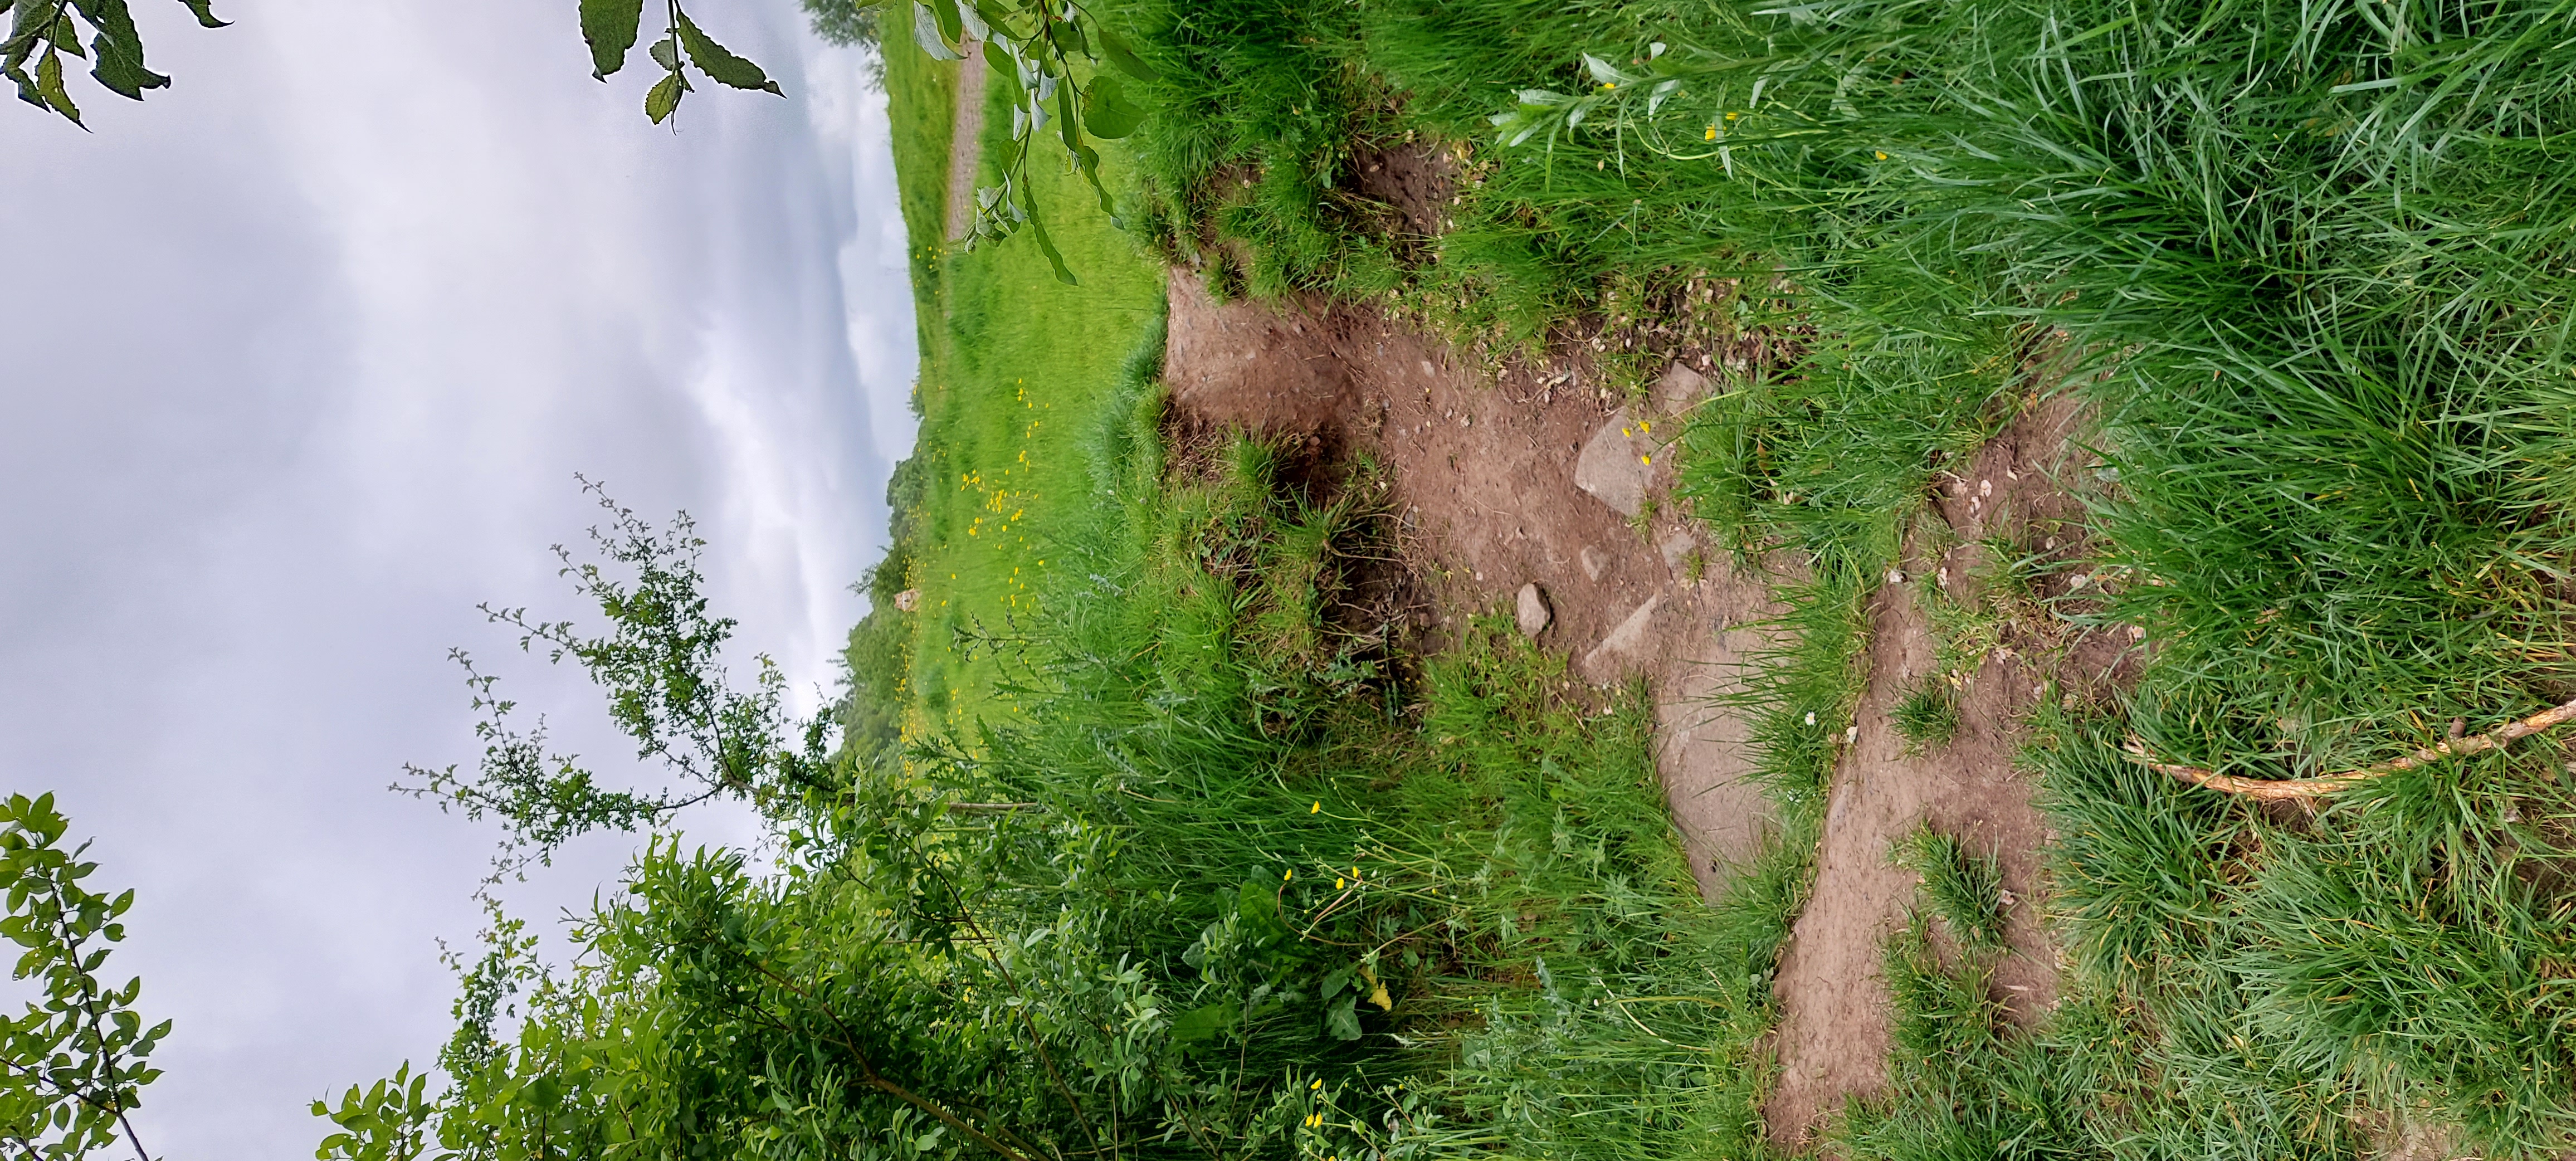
pixel 303 356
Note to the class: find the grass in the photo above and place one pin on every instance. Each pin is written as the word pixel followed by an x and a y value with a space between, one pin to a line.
pixel 1927 716
pixel 2304 268
pixel 1018 372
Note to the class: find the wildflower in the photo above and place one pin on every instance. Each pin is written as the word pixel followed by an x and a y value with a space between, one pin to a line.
pixel 1319 1083
pixel 1732 116
pixel 1288 874
pixel 1712 132
pixel 1355 872
pixel 1337 882
pixel 1882 154
pixel 1606 86
pixel 1318 808
pixel 1645 459
pixel 1811 717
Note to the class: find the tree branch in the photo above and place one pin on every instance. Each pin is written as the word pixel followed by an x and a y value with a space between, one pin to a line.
pixel 2297 789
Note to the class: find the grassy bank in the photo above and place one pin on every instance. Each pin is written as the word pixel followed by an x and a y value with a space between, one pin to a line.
pixel 1015 371
pixel 2306 268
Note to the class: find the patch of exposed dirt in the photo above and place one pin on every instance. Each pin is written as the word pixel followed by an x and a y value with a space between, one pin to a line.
pixel 1416 182
pixel 1834 1033
pixel 1482 482
pixel 966 140
pixel 1483 469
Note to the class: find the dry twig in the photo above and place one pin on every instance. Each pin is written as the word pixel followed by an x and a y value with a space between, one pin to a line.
pixel 2282 790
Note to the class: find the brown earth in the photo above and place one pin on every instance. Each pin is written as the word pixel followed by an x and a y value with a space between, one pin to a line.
pixel 966 140
pixel 1483 487
pixel 1482 472
pixel 1833 1038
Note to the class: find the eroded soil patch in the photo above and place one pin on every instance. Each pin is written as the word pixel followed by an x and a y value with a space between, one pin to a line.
pixel 1835 1024
pixel 1483 485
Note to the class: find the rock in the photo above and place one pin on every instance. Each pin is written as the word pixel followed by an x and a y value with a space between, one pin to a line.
pixel 1595 562
pixel 1624 645
pixel 1534 614
pixel 1676 546
pixel 1679 388
pixel 908 600
pixel 1617 464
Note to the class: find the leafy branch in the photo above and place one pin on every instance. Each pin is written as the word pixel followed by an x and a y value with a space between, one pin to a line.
pixel 45 31
pixel 1060 66
pixel 611 27
pixel 73 1065
pixel 660 663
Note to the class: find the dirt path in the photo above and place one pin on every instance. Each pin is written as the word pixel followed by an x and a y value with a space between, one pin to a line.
pixel 1485 481
pixel 966 141
pixel 1833 1038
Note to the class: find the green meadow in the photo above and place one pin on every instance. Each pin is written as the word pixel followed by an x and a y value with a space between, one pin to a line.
pixel 2306 270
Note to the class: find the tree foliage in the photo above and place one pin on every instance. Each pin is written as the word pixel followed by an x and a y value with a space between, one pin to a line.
pixel 73 1065
pixel 43 32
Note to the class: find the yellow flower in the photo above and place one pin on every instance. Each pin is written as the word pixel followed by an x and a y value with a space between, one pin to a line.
pixel 1712 133
pixel 1318 808
pixel 1288 874
pixel 1606 86
pixel 1642 425
pixel 1319 1083
pixel 1732 116
pixel 1645 459
pixel 1337 882
pixel 1882 154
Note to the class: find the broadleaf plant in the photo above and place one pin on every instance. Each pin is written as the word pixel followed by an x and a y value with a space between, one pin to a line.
pixel 43 32
pixel 1059 66
pixel 611 27
pixel 73 1065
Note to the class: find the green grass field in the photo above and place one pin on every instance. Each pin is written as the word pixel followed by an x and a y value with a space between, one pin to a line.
pixel 1017 371
pixel 2308 270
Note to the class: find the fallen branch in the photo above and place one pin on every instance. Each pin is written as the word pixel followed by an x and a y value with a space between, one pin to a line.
pixel 2279 790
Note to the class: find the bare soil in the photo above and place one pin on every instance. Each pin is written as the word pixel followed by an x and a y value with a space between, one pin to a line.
pixel 1482 469
pixel 966 140
pixel 1833 1038
pixel 1482 480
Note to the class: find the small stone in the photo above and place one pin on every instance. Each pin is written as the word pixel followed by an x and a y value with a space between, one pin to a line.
pixel 908 600
pixel 1613 465
pixel 1595 562
pixel 1679 388
pixel 1606 660
pixel 1534 613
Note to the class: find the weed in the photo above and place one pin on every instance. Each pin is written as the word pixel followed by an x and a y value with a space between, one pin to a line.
pixel 1927 716
pixel 1966 888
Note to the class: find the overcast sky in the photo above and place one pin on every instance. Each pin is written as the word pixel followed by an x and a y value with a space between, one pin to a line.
pixel 302 356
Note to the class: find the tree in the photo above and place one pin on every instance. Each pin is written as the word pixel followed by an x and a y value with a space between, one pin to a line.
pixel 847 23
pixel 74 1064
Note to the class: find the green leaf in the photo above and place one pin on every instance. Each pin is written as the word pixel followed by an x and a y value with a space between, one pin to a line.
pixel 665 53
pixel 925 32
pixel 610 26
pixel 118 50
pixel 1046 246
pixel 1342 1017
pixel 952 26
pixel 1123 55
pixel 1107 112
pixel 205 10
pixel 49 85
pixel 664 97
pixel 716 61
